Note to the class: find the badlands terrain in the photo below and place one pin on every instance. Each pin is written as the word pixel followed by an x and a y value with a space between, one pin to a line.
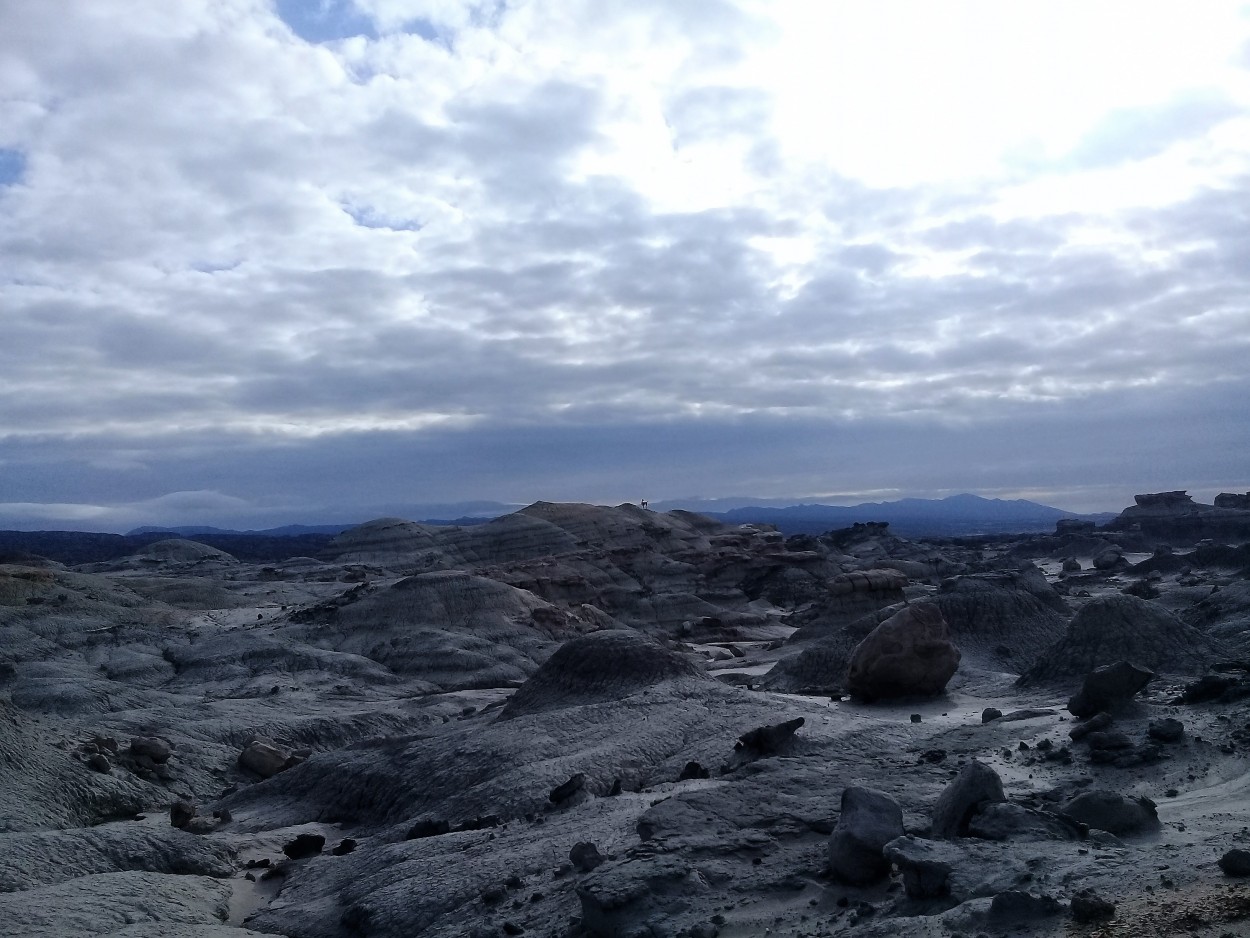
pixel 612 722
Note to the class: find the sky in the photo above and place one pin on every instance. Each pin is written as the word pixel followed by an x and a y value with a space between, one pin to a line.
pixel 275 261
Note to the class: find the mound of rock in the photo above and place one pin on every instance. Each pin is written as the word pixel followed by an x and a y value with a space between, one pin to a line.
pixel 176 550
pixel 1120 627
pixel 910 653
pixel 1012 617
pixel 599 667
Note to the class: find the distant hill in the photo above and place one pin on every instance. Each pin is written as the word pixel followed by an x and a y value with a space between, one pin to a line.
pixel 915 517
pixel 287 530
pixel 958 515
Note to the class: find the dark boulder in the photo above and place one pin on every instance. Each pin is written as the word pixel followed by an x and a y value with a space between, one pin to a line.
pixel 304 845
pixel 693 770
pixel 1109 688
pixel 868 821
pixel 155 748
pixel 1018 904
pixel 1236 862
pixel 585 856
pixel 925 876
pixel 1166 730
pixel 566 790
pixel 1096 723
pixel 181 813
pixel 769 740
pixel 1112 812
pixel 910 653
pixel 428 828
pixel 975 786
pixel 1089 907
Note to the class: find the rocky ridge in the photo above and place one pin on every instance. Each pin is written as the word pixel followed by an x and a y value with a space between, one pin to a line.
pixel 583 721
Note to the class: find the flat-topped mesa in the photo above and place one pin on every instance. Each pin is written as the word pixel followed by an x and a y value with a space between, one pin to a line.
pixel 1173 500
pixel 1176 516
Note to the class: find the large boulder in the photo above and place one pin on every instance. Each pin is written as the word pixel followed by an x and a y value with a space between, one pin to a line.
pixel 869 820
pixel 976 786
pixel 910 653
pixel 1109 688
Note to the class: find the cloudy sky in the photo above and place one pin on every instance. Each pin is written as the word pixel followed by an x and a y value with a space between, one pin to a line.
pixel 265 261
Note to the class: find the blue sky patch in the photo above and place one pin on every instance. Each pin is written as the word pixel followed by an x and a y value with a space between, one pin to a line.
pixel 12 167
pixel 325 20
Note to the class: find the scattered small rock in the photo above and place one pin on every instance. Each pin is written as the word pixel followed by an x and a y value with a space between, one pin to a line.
pixel 343 847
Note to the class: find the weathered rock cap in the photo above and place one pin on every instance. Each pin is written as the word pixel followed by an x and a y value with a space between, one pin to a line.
pixel 910 653
pixel 1109 688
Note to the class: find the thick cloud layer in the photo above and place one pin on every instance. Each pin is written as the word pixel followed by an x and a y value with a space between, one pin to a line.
pixel 303 261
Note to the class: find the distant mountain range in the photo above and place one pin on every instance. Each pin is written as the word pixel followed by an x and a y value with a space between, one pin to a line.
pixel 957 515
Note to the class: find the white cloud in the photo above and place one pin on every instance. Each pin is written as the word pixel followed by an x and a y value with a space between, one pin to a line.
pixel 518 214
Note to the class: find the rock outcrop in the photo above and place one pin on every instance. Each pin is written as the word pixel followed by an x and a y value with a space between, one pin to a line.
pixel 1175 516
